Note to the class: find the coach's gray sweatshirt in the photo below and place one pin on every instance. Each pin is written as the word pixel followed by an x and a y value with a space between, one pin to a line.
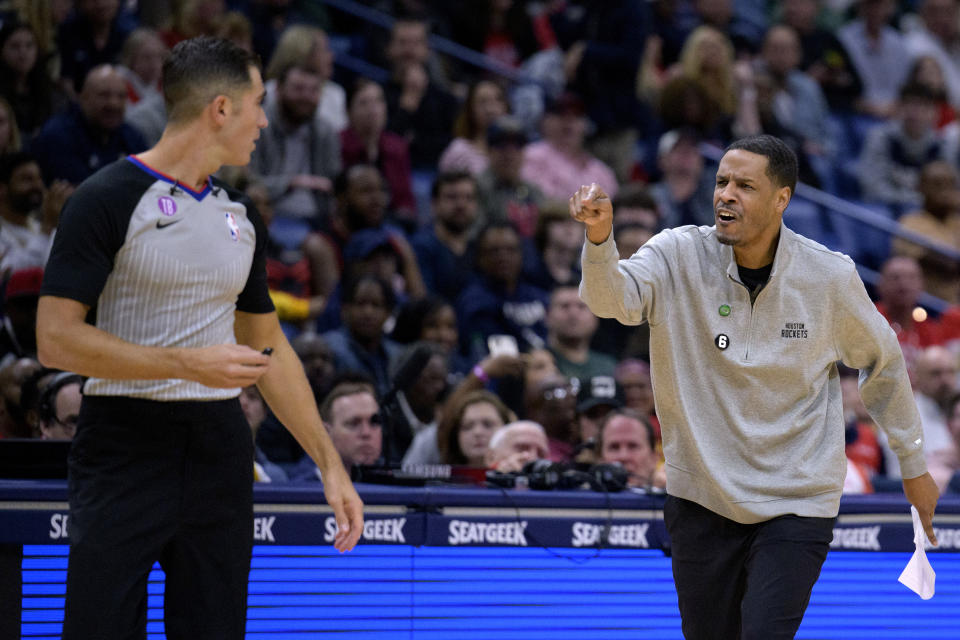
pixel 748 396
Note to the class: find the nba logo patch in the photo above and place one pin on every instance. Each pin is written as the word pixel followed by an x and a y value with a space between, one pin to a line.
pixel 233 226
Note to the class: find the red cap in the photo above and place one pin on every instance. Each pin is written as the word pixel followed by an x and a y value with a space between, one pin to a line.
pixel 25 282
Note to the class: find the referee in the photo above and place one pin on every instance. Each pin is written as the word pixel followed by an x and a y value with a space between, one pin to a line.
pixel 747 322
pixel 156 289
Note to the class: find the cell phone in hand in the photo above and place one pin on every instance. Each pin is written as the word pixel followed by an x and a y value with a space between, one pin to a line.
pixel 502 345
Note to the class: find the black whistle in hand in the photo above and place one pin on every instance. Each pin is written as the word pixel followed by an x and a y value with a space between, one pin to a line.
pixel 267 351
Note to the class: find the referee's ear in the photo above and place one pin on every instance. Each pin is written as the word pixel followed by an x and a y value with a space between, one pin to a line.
pixel 219 109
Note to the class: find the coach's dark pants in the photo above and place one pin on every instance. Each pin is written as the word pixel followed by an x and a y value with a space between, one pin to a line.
pixel 167 481
pixel 743 581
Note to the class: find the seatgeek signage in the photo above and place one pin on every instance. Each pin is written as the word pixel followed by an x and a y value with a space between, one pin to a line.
pixel 312 524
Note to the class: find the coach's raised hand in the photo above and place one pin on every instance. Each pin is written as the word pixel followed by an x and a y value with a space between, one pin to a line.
pixel 592 206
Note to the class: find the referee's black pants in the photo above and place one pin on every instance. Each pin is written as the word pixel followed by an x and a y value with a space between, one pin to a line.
pixel 159 481
pixel 743 581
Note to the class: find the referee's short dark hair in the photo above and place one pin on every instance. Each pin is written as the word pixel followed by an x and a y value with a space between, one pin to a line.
pixel 781 160
pixel 200 69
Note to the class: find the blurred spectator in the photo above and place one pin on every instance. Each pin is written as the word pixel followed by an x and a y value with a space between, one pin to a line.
pixel 554 257
pixel 255 411
pixel 142 57
pixel 878 54
pixel 9 131
pixel 937 34
pixel 945 464
pixel 366 141
pixel 425 448
pixel 58 406
pixel 500 29
pixel 799 106
pixel 310 47
pixel 13 423
pixel 596 398
pixel 499 302
pixel 432 319
pixel 421 109
pixel 91 134
pixel 443 250
pixel 898 290
pixel 92 36
pixel 298 154
pixel 418 401
pixel 560 163
pixel 18 334
pixel 360 205
pixel 570 326
pixel 237 28
pixel 45 18
pixel 276 442
pixel 633 376
pixel 24 79
pixel 30 393
pixel 352 417
pixel 602 43
pixel 894 152
pixel 192 18
pixel 409 46
pixel 935 383
pixel 486 101
pixel 288 270
pixel 515 445
pixel 272 18
pixel 318 362
pixel 684 193
pixel 552 403
pixel 359 345
pixel 385 254
pixel 630 236
pixel 862 446
pixel 927 72
pixel 627 439
pixel 635 205
pixel 939 222
pixel 28 212
pixel 823 57
pixel 504 194
pixel 745 25
pixel 700 91
pixel 466 426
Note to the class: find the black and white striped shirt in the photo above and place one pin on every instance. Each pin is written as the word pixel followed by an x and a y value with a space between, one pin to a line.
pixel 160 265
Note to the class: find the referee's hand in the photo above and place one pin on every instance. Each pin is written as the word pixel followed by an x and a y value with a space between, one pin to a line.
pixel 225 366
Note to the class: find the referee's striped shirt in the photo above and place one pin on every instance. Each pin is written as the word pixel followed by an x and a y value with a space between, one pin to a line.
pixel 160 265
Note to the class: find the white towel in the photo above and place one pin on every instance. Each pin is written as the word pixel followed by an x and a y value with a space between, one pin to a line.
pixel 918 576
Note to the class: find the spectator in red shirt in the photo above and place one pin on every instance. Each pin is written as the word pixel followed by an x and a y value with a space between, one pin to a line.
pixel 899 288
pixel 366 141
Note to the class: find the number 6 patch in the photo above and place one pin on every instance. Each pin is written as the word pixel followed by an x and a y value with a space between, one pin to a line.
pixel 722 341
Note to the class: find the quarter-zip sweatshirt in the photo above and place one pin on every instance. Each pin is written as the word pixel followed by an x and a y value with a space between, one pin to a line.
pixel 748 395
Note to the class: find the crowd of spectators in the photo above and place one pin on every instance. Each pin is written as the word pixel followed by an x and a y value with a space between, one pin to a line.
pixel 421 255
